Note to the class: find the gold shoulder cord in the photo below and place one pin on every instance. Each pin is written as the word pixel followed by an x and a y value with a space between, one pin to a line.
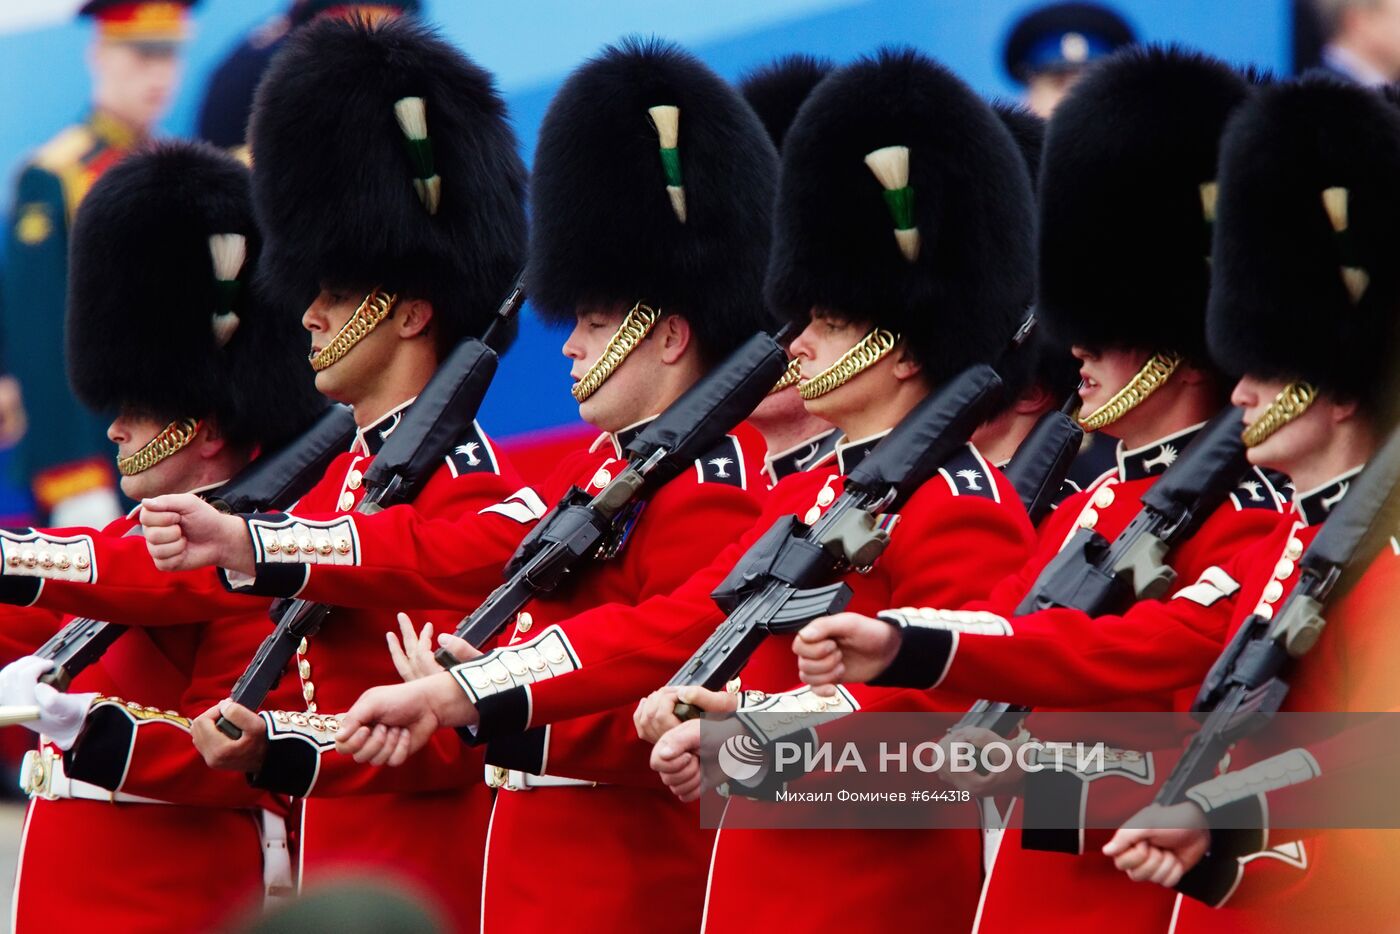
pixel 374 309
pixel 171 438
pixel 1287 405
pixel 868 351
pixel 790 376
pixel 1147 381
pixel 630 332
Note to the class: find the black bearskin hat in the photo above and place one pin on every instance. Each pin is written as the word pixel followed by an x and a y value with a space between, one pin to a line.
pixel 1039 359
pixel 1306 283
pixel 1126 192
pixel 343 196
pixel 940 253
pixel 149 325
pixel 609 223
pixel 775 91
pixel 1028 130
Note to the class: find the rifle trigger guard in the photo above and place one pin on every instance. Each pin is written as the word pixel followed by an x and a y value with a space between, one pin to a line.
pixel 1144 568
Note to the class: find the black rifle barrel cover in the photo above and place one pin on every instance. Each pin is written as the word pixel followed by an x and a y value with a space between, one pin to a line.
pixel 723 398
pixel 1212 462
pixel 436 420
pixel 930 434
pixel 280 477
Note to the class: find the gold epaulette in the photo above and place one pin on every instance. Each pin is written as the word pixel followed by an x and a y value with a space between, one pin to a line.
pixel 67 149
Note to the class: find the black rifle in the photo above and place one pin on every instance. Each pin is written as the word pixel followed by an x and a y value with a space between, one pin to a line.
pixel 1042 461
pixel 1097 577
pixel 580 527
pixel 275 480
pixel 791 575
pixel 412 454
pixel 1246 686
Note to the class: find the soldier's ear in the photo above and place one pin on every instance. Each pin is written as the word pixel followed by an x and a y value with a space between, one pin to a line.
pixel 412 316
pixel 1340 410
pixel 211 440
pixel 1034 400
pixel 674 336
pixel 906 365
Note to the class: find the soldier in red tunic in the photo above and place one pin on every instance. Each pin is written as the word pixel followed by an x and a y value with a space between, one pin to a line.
pixel 1308 204
pixel 1148 381
pixel 651 312
pixel 879 294
pixel 392 196
pixel 183 356
pixel 1308 215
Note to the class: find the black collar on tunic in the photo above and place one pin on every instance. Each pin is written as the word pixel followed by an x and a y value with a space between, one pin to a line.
pixel 1316 505
pixel 849 454
pixel 1152 460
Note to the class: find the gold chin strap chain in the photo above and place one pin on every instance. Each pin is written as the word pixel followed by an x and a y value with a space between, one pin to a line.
pixel 790 376
pixel 630 332
pixel 167 441
pixel 1147 381
pixel 374 309
pixel 1287 405
pixel 868 351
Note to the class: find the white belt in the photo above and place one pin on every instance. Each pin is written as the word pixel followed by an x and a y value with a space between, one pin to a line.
pixel 515 780
pixel 277 860
pixel 41 776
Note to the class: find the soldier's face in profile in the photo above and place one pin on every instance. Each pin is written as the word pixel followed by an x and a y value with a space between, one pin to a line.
pixel 626 397
pixel 131 431
pixel 1290 446
pixel 136 83
pixel 1102 373
pixel 821 343
pixel 360 369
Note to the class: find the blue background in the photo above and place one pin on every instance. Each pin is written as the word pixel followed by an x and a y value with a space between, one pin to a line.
pixel 532 44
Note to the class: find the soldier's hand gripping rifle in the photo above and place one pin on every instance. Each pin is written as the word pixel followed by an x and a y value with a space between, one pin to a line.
pixel 1095 576
pixel 791 575
pixel 579 527
pixel 410 456
pixel 1246 686
pixel 274 481
pixel 1042 460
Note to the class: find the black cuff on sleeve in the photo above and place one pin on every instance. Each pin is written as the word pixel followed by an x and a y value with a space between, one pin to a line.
pixel 1212 879
pixel 19 591
pixel 1053 812
pixel 504 714
pixel 523 752
pixel 921 660
pixel 1237 829
pixel 100 754
pixel 270 580
pixel 289 767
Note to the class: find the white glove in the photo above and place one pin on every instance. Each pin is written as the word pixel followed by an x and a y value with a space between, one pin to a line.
pixel 60 715
pixel 18 679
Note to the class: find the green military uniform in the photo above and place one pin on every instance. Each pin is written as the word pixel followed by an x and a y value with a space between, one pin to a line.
pixel 66 452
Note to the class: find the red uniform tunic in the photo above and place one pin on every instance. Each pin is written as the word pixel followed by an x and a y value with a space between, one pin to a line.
pixel 647 850
pixel 186 865
pixel 1090 890
pixel 372 823
pixel 373 820
pixel 1166 646
pixel 956 535
pixel 1299 880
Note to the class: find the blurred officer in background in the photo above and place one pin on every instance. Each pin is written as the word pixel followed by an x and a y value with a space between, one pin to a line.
pixel 1049 47
pixel 135 65
pixel 228 98
pixel 1362 39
